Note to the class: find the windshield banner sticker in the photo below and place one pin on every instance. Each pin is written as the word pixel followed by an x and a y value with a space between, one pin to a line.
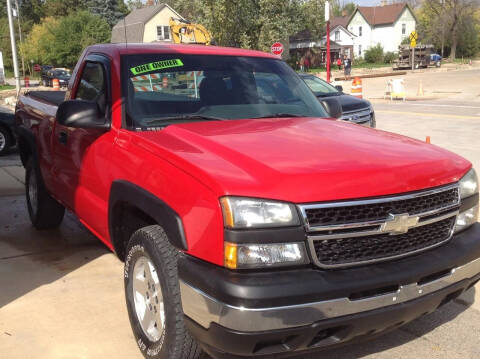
pixel 157 65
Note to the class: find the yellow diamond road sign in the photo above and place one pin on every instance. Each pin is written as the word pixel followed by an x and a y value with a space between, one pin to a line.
pixel 413 36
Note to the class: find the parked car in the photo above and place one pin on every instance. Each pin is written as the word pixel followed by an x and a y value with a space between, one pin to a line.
pixel 436 59
pixel 46 68
pixel 62 75
pixel 250 222
pixel 7 138
pixel 354 109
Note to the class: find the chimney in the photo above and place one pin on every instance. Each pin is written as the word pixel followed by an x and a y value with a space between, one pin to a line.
pixel 150 3
pixel 344 13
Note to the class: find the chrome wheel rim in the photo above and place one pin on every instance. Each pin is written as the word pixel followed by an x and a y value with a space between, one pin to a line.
pixel 32 191
pixel 3 141
pixel 148 299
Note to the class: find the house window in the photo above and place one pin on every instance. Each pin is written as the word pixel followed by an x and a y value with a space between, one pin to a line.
pixel 359 50
pixel 337 35
pixel 163 33
pixel 359 31
pixel 404 29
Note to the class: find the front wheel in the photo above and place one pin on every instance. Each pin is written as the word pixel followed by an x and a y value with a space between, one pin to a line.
pixel 152 294
pixel 5 141
pixel 45 212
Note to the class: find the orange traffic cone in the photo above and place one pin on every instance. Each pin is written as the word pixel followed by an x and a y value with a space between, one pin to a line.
pixel 56 84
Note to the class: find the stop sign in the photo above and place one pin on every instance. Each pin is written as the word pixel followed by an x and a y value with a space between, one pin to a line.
pixel 37 68
pixel 277 48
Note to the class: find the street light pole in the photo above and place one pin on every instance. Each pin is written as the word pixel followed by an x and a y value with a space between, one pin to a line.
pixel 327 20
pixel 14 46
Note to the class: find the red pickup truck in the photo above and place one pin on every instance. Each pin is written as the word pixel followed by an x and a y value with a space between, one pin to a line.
pixel 250 223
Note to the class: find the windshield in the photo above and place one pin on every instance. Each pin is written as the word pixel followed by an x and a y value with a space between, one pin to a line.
pixel 319 87
pixel 163 87
pixel 61 73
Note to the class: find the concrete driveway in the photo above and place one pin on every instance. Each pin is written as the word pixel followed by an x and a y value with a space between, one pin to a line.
pixel 61 292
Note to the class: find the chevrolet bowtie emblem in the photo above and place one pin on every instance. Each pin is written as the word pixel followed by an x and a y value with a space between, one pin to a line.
pixel 399 223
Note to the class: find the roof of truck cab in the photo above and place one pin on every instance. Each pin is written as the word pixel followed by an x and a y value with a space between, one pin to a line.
pixel 144 48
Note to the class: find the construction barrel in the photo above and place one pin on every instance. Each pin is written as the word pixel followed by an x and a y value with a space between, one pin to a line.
pixel 56 84
pixel 357 87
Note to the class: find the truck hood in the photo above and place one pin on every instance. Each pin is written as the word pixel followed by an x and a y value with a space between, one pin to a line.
pixel 302 159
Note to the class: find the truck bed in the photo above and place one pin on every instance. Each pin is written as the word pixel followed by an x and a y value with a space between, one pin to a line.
pixel 51 97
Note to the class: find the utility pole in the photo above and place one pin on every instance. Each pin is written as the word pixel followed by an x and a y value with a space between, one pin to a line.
pixel 14 46
pixel 327 20
pixel 20 36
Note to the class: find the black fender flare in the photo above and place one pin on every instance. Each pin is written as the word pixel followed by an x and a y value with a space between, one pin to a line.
pixel 126 192
pixel 26 137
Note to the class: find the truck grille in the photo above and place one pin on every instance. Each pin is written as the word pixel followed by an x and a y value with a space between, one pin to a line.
pixel 380 210
pixel 357 116
pixel 353 233
pixel 344 251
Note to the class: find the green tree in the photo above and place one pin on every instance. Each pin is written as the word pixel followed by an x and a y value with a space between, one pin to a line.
pixel 313 16
pixel 39 45
pixel 278 20
pixel 252 24
pixel 192 10
pixel 32 10
pixel 75 32
pixel 110 10
pixel 134 4
pixel 444 18
pixel 349 8
pixel 5 47
pixel 60 8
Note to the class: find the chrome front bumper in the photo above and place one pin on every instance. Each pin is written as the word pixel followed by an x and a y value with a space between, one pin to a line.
pixel 204 309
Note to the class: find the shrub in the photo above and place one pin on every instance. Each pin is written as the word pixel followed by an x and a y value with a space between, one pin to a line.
pixel 374 54
pixel 389 57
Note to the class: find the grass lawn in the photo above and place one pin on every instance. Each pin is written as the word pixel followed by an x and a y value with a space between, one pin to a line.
pixel 6 87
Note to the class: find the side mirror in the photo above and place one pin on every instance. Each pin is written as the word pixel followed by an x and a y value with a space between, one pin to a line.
pixel 339 88
pixel 333 106
pixel 80 114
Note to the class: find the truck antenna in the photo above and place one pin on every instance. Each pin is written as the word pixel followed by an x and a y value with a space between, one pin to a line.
pixel 125 31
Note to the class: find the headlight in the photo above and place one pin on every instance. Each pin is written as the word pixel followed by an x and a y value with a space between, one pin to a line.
pixel 240 256
pixel 240 212
pixel 468 188
pixel 469 184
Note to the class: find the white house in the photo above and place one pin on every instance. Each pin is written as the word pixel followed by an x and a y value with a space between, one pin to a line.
pixel 386 25
pixel 341 35
pixel 148 24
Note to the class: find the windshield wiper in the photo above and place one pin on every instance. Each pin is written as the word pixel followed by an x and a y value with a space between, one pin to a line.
pixel 184 118
pixel 281 114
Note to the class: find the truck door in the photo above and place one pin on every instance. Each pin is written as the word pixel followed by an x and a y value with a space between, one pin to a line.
pixel 81 155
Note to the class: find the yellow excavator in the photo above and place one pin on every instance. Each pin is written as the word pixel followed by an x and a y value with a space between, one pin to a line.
pixel 184 32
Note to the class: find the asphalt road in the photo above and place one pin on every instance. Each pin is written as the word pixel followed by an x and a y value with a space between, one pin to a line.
pixel 62 291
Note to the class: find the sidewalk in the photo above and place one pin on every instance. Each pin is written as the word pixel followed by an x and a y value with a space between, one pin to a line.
pixel 12 179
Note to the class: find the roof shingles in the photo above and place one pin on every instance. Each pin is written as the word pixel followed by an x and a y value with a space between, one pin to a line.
pixel 382 15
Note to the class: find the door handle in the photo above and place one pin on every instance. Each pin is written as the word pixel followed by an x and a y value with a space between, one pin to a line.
pixel 63 137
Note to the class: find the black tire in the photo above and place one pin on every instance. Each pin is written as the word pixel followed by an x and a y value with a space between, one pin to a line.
pixel 175 342
pixel 6 140
pixel 45 212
